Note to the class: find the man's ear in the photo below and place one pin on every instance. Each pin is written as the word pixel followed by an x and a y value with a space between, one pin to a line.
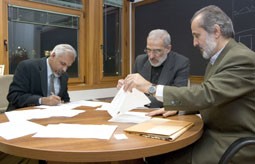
pixel 52 54
pixel 217 31
pixel 169 48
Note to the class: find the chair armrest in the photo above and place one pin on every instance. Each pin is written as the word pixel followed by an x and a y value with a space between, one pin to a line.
pixel 235 147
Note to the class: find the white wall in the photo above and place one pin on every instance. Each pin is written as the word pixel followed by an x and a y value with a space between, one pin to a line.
pixel 92 94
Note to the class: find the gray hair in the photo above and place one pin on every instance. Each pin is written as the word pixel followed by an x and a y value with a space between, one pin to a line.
pixel 212 15
pixel 62 49
pixel 161 34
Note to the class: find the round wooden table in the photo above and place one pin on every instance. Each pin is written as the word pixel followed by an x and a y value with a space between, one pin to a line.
pixel 96 150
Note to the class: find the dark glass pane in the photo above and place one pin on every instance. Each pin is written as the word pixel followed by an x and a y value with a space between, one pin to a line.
pixel 74 4
pixel 112 41
pixel 63 20
pixel 28 39
pixel 25 15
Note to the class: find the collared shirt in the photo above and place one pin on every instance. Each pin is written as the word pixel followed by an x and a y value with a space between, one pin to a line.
pixel 56 80
pixel 215 56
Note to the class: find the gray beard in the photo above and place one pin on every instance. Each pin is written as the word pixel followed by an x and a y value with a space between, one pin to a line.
pixel 208 52
pixel 161 60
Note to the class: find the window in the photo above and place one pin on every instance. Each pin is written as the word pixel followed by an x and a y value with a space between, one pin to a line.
pixel 97 29
pixel 34 33
pixel 112 41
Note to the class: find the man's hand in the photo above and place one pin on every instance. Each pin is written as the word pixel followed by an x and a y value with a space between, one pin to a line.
pixel 162 112
pixel 120 83
pixel 136 81
pixel 51 100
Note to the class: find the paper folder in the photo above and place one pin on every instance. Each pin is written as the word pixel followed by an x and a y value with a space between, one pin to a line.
pixel 160 128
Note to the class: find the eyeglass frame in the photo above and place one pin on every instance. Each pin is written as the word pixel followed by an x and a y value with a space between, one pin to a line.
pixel 154 51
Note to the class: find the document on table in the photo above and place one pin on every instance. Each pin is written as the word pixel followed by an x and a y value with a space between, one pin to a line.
pixel 42 113
pixel 76 131
pixel 15 129
pixel 74 104
pixel 125 101
pixel 131 117
pixel 45 111
pixel 88 103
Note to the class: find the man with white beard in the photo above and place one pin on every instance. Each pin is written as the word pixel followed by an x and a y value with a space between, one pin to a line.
pixel 160 65
pixel 225 99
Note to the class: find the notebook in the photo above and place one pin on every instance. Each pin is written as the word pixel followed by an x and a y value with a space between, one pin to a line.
pixel 160 128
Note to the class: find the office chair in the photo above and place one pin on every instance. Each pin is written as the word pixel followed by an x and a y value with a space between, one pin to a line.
pixel 5 82
pixel 235 147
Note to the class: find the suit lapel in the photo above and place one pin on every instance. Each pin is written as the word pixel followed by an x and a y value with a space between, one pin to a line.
pixel 208 68
pixel 43 76
pixel 146 71
pixel 211 69
pixel 166 70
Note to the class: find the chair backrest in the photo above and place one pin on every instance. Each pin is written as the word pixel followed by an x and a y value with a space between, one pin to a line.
pixel 1 69
pixel 5 82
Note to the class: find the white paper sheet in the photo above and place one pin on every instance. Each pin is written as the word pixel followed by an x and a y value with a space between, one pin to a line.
pixel 73 104
pixel 42 113
pixel 131 117
pixel 15 129
pixel 76 131
pixel 126 101
pixel 88 103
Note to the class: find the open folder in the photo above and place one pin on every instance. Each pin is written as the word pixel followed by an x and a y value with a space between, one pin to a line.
pixel 160 128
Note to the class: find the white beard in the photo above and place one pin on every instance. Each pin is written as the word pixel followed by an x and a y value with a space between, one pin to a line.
pixel 160 61
pixel 210 46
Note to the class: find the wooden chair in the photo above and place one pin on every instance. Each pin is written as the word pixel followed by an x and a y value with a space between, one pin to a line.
pixel 5 82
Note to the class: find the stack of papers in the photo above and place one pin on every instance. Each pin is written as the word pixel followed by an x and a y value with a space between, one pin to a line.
pixel 20 126
pixel 119 109
pixel 44 111
pixel 131 117
pixel 123 102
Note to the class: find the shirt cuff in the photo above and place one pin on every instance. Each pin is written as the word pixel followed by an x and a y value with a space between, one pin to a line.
pixel 159 93
pixel 40 101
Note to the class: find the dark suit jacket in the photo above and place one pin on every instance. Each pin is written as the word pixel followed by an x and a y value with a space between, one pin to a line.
pixel 226 100
pixel 175 72
pixel 30 83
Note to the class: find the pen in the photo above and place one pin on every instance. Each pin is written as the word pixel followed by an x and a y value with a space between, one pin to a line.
pixel 53 94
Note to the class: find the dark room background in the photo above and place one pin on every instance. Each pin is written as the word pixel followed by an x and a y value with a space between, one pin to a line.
pixel 174 16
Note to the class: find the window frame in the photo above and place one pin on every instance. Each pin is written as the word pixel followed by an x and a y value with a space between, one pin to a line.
pixel 90 40
pixel 94 39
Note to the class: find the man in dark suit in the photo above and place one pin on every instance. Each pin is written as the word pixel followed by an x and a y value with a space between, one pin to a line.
pixel 226 98
pixel 161 65
pixel 32 85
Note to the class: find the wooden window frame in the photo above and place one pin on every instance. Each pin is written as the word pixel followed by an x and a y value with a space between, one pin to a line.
pixel 89 44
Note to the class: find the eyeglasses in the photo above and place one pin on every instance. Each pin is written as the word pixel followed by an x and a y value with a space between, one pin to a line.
pixel 154 51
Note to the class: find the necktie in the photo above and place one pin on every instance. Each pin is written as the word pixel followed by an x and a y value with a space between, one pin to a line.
pixel 52 88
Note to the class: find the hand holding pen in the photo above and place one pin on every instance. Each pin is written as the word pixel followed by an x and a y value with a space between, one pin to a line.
pixel 51 100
